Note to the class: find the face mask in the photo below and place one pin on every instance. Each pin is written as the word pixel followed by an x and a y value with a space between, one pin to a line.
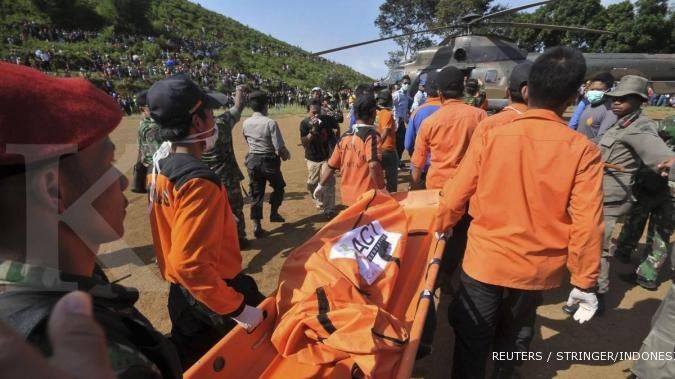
pixel 594 96
pixel 405 87
pixel 166 147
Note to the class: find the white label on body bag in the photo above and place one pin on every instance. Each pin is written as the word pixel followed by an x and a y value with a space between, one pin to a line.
pixel 371 246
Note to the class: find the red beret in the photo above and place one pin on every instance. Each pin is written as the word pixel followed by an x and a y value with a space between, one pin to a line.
pixel 42 110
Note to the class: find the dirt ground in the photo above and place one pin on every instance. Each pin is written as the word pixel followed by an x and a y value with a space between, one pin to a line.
pixel 621 329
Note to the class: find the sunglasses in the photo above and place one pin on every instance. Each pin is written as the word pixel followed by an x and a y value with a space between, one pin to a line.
pixel 620 99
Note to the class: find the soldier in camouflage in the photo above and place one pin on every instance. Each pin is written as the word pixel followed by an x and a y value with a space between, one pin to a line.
pixel 656 204
pixel 48 246
pixel 474 94
pixel 134 348
pixel 148 143
pixel 223 162
pixel 628 146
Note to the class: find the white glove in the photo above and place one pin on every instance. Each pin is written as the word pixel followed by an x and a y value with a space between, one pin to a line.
pixel 588 304
pixel 249 318
pixel 318 192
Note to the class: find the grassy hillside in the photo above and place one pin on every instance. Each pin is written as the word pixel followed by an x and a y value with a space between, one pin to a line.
pixel 130 41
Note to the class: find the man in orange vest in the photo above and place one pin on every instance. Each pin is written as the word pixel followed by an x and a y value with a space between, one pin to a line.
pixel 194 231
pixel 446 135
pixel 386 126
pixel 533 214
pixel 517 93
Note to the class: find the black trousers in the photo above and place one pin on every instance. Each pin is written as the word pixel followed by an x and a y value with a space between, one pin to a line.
pixel 486 316
pixel 455 246
pixel 195 328
pixel 263 169
pixel 400 138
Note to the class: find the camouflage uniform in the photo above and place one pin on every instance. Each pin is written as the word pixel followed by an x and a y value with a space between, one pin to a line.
pixel 222 161
pixel 135 349
pixel 632 143
pixel 654 203
pixel 148 140
pixel 148 143
pixel 475 101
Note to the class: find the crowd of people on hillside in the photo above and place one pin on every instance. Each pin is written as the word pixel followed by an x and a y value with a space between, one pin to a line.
pixel 195 57
pixel 522 196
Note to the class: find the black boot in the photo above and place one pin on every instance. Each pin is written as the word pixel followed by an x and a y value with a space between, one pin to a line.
pixel 258 230
pixel 275 216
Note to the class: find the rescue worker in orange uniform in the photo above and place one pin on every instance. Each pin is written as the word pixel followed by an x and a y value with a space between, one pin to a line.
pixel 446 135
pixel 517 93
pixel 194 232
pixel 536 190
pixel 358 155
pixel 386 126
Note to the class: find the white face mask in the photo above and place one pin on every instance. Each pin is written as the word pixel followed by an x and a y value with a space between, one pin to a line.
pixel 405 87
pixel 166 147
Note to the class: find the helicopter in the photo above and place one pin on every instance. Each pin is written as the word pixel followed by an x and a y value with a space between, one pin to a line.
pixel 490 58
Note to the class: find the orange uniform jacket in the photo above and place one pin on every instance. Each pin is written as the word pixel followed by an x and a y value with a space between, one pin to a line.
pixel 194 233
pixel 508 114
pixel 446 134
pixel 385 120
pixel 537 204
pixel 351 156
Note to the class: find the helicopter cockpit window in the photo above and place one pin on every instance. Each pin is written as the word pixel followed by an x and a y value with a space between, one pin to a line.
pixel 491 76
pixel 460 55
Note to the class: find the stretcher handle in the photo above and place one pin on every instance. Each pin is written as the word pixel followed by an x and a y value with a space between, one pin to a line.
pixel 437 247
pixel 256 327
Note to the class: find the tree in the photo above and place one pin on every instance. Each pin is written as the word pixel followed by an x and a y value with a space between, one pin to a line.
pixel 452 11
pixel 586 13
pixel 334 81
pixel 407 16
pixel 619 19
pixel 126 15
pixel 653 27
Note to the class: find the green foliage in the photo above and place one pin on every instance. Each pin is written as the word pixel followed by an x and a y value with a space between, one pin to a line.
pixel 165 20
pixel 644 27
pixel 406 16
pixel 334 81
pixel 70 14
pixel 638 26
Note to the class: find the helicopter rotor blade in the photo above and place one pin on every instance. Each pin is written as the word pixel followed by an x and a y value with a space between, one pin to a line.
pixel 508 11
pixel 385 39
pixel 548 26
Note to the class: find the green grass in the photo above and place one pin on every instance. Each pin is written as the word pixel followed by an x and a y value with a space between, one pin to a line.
pixel 148 17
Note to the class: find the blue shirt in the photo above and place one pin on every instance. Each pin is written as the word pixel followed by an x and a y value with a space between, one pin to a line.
pixel 401 105
pixel 574 121
pixel 424 111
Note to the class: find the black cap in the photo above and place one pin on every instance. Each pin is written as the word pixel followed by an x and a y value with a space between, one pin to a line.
pixel 519 75
pixel 431 83
pixel 450 78
pixel 173 100
pixel 384 98
pixel 472 84
pixel 258 94
pixel 142 98
pixel 364 105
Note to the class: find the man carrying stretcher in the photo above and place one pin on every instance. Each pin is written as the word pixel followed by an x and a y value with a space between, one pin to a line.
pixel 536 207
pixel 193 228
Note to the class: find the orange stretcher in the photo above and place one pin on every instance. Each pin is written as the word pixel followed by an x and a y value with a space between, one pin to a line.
pixel 252 355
